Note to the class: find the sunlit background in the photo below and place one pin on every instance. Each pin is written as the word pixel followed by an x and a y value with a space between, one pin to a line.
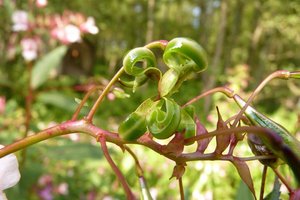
pixel 54 51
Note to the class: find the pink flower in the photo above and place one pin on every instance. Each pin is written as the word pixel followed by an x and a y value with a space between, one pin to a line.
pixel 29 48
pixel 63 189
pixel 67 34
pixel 111 96
pixel 41 3
pixel 89 26
pixel 72 33
pixel 2 104
pixel 46 179
pixel 20 21
pixel 46 189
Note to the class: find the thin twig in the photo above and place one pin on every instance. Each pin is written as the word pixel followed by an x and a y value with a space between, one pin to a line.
pixel 261 157
pixel 85 98
pixel 228 92
pixel 103 94
pixel 181 188
pixel 277 74
pixel 28 116
pixel 114 167
pixel 283 180
pixel 263 182
pixel 242 129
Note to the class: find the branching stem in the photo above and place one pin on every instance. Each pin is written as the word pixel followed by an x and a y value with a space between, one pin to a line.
pixel 278 74
pixel 103 94
pixel 83 126
pixel 228 92
pixel 156 44
pixel 114 167
pixel 85 98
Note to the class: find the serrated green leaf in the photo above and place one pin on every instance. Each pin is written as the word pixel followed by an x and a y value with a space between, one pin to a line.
pixel 41 70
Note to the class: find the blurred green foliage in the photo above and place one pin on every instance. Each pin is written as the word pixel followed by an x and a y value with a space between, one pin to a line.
pixel 245 41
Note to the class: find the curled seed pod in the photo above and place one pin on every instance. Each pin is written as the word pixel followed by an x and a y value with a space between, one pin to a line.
pixel 140 63
pixel 134 126
pixel 162 123
pixel 138 81
pixel 138 55
pixel 182 56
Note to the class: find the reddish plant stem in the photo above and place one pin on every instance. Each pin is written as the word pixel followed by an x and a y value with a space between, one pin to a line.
pixel 62 129
pixel 283 180
pixel 103 94
pixel 263 182
pixel 140 173
pixel 242 129
pixel 29 98
pixel 87 128
pixel 181 188
pixel 224 90
pixel 121 178
pixel 278 74
pixel 85 98
pixel 28 104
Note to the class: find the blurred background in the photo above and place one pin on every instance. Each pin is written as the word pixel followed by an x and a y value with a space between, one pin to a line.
pixel 52 52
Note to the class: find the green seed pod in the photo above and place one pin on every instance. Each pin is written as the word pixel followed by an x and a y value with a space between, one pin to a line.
pixel 259 119
pixel 163 123
pixel 134 126
pixel 140 63
pixel 140 54
pixel 182 56
pixel 288 150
